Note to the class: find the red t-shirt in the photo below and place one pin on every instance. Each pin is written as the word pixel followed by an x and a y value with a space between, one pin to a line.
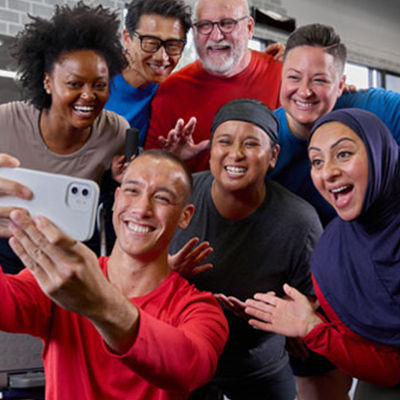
pixel 182 332
pixel 192 91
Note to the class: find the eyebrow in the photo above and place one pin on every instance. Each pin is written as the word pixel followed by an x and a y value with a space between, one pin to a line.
pixel 73 74
pixel 333 145
pixel 231 134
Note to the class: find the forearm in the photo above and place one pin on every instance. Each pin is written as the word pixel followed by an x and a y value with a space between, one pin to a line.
pixel 175 358
pixel 356 356
pixel 117 321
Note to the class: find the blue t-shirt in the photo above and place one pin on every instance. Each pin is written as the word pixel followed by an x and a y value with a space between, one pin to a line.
pixel 132 103
pixel 293 168
pixel 383 103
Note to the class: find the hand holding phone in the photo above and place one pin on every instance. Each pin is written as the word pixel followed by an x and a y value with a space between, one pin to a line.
pixel 70 203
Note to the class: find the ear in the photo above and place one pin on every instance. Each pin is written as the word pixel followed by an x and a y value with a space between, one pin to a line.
pixel 116 194
pixel 47 83
pixel 274 156
pixel 126 38
pixel 186 216
pixel 250 27
pixel 342 84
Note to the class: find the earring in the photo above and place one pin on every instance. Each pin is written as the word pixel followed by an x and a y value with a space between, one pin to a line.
pixel 46 89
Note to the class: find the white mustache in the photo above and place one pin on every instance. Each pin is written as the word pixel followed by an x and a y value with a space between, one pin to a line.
pixel 219 45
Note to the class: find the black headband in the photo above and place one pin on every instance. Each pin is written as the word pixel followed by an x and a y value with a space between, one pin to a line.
pixel 248 110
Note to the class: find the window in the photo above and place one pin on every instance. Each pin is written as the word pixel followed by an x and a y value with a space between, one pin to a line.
pixel 392 82
pixel 357 75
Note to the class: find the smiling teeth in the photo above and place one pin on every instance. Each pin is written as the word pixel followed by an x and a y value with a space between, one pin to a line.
pixel 84 108
pixel 236 170
pixel 339 189
pixel 158 68
pixel 303 104
pixel 140 229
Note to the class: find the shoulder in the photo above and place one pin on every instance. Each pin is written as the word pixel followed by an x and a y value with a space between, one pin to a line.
pixel 260 58
pixel 18 107
pixel 291 207
pixel 202 179
pixel 189 296
pixel 185 73
pixel 111 123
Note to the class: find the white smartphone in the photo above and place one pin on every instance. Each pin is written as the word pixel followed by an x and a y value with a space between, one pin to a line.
pixel 70 203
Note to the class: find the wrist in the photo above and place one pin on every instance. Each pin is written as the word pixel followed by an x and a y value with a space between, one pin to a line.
pixel 312 322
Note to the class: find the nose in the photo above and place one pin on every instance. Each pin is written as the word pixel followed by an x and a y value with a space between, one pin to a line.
pixel 330 171
pixel 305 89
pixel 88 93
pixel 143 206
pixel 161 54
pixel 216 33
pixel 236 151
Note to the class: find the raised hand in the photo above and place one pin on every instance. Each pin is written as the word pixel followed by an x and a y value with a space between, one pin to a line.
pixel 179 140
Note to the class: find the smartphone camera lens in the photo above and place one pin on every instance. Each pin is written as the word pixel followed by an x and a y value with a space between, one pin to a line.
pixel 85 192
pixel 74 190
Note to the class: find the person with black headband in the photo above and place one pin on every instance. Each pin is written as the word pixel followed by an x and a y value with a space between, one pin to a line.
pixel 262 235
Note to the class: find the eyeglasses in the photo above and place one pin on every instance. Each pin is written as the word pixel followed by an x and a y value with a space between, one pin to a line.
pixel 151 44
pixel 225 25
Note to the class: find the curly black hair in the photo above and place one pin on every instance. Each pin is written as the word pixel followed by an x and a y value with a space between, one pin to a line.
pixel 166 8
pixel 39 45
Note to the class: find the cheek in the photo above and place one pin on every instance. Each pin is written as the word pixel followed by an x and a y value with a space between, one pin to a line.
pixel 173 61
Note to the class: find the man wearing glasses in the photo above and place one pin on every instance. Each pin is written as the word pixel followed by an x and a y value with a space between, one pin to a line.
pixel 226 70
pixel 154 38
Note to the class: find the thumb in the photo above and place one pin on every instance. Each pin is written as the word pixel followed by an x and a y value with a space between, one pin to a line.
pixel 203 145
pixel 291 292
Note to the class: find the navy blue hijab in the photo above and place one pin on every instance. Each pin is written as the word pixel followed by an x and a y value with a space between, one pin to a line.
pixel 357 263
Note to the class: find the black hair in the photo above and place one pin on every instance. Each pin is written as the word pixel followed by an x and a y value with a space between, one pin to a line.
pixel 319 35
pixel 39 45
pixel 162 154
pixel 166 8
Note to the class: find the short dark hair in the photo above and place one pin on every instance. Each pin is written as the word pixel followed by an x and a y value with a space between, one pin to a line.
pixel 165 8
pixel 319 35
pixel 39 45
pixel 162 154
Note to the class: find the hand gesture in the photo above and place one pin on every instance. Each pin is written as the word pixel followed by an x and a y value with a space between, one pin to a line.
pixel 277 50
pixel 233 304
pixel 180 141
pixel 187 261
pixel 293 316
pixel 10 188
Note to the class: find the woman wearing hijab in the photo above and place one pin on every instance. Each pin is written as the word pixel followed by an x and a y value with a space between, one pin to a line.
pixel 355 166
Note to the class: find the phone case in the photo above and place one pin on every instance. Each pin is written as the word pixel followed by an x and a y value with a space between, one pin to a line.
pixel 70 203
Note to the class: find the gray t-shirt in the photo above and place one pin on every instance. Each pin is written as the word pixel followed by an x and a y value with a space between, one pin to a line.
pixel 21 138
pixel 258 253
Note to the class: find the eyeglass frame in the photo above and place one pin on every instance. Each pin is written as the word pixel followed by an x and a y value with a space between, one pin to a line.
pixel 162 43
pixel 218 23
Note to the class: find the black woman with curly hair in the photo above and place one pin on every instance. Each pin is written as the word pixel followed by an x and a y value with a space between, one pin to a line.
pixel 64 66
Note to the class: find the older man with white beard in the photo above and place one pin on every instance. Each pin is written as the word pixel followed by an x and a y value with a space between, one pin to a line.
pixel 187 101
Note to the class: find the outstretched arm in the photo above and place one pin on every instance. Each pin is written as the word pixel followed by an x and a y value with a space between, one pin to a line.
pixel 69 274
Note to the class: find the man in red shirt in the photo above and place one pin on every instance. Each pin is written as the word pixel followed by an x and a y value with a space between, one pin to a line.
pixel 226 70
pixel 123 327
